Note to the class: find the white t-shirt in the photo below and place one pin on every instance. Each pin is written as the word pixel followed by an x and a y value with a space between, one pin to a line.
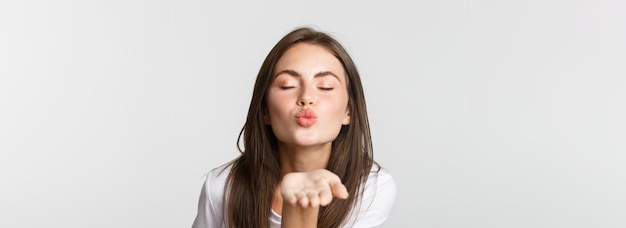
pixel 375 207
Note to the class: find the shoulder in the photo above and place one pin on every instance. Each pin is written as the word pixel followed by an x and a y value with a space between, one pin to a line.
pixel 216 181
pixel 211 202
pixel 219 173
pixel 380 183
pixel 375 204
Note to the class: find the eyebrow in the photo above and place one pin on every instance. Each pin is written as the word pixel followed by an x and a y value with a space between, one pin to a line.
pixel 296 74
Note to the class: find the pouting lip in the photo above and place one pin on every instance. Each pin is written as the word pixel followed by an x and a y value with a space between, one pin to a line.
pixel 306 118
pixel 306 113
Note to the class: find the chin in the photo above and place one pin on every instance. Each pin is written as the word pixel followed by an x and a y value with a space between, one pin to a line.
pixel 307 142
pixel 312 142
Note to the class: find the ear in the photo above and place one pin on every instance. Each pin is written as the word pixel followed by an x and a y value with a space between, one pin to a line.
pixel 346 120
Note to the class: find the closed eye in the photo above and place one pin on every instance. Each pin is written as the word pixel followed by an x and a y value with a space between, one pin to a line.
pixel 286 87
pixel 326 88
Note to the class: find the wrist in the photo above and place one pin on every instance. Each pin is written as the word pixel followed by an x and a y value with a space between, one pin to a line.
pixel 297 216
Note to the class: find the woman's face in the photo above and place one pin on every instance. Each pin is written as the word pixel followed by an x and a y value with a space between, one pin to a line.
pixel 308 99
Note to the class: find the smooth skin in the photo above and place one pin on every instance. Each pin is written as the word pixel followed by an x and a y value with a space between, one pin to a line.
pixel 307 76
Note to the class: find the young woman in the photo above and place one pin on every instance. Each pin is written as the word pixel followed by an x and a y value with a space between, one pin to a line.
pixel 306 141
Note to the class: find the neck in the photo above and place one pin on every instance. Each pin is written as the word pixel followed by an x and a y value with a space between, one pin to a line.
pixel 303 159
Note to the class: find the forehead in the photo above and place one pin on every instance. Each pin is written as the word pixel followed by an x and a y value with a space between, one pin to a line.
pixel 310 59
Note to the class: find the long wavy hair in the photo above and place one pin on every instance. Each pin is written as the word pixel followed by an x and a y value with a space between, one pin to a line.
pixel 256 172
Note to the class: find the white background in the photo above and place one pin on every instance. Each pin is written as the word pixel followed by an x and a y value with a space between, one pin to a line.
pixel 487 113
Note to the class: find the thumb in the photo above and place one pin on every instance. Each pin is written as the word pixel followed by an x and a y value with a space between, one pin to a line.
pixel 339 190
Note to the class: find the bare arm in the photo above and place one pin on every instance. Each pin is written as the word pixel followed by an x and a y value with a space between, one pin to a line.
pixel 296 216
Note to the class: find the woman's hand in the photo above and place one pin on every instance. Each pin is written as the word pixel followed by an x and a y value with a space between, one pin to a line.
pixel 312 189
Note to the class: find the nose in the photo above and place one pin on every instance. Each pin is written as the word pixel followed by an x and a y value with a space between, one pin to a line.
pixel 306 99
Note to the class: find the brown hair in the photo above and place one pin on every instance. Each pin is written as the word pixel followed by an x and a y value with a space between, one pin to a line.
pixel 256 172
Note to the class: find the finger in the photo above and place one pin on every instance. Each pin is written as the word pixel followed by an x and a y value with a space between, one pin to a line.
pixel 326 196
pixel 303 200
pixel 290 198
pixel 338 189
pixel 314 199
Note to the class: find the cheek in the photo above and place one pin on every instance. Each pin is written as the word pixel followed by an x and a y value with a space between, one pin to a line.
pixel 276 105
pixel 339 106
